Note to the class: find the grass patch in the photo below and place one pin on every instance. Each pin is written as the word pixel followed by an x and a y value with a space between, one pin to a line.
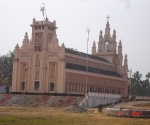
pixel 55 116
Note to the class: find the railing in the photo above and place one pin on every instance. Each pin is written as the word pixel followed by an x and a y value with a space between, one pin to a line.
pixel 104 95
pixel 143 97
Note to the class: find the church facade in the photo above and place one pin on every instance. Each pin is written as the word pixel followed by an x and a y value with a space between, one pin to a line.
pixel 42 66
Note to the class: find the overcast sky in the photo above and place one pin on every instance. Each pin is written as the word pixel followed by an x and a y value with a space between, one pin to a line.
pixel 130 19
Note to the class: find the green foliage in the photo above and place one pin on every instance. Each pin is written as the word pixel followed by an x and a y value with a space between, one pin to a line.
pixel 140 87
pixel 148 75
pixel 6 64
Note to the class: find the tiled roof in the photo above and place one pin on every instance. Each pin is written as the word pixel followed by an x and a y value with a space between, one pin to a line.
pixel 70 51
pixel 91 69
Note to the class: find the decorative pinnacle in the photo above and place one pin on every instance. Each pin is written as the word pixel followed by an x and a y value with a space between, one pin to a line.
pixel 114 31
pixel 101 32
pixel 125 56
pixel 120 44
pixel 94 43
pixel 17 46
pixel 26 36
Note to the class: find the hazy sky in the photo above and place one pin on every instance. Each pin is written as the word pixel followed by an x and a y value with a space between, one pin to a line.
pixel 130 19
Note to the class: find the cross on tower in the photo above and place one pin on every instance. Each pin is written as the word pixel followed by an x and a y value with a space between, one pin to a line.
pixel 108 18
pixel 43 9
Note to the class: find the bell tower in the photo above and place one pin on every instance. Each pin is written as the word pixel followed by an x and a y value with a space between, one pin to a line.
pixel 107 44
pixel 107 48
pixel 43 33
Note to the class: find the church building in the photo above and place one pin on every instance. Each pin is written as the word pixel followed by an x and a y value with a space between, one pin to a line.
pixel 42 66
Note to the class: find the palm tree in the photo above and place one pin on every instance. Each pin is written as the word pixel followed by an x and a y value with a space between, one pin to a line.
pixel 148 76
pixel 137 76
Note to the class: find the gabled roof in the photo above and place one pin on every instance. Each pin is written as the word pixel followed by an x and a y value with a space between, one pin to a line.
pixel 70 51
pixel 91 69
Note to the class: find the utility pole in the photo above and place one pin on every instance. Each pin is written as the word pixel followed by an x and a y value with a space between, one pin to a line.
pixel 88 30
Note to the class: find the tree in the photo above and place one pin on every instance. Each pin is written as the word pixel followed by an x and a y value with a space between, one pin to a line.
pixel 148 76
pixel 140 87
pixel 3 80
pixel 137 76
pixel 6 64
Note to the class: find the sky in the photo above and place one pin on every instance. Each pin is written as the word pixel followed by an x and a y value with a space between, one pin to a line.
pixel 130 19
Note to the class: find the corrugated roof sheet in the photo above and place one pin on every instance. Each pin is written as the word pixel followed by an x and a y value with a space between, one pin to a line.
pixel 91 69
pixel 70 51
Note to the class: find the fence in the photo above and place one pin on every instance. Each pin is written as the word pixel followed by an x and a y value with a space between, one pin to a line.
pixel 142 98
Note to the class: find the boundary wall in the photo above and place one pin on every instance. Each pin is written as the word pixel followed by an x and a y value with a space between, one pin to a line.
pixel 135 113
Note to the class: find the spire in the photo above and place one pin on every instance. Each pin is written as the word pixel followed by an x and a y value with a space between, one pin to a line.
pixel 120 43
pixel 120 48
pixel 125 61
pixel 63 45
pixel 101 33
pixel 26 36
pixel 46 21
pixel 125 56
pixel 114 34
pixel 17 46
pixel 94 45
pixel 34 21
pixel 54 22
pixel 94 48
pixel 16 51
pixel 107 29
pixel 25 44
pixel 125 66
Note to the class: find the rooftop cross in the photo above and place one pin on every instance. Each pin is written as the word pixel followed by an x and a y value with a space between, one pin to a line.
pixel 108 18
pixel 43 9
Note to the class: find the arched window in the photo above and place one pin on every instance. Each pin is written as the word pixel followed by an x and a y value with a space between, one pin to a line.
pixel 106 46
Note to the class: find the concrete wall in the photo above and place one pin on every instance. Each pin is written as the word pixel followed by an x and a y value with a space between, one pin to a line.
pixel 96 99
